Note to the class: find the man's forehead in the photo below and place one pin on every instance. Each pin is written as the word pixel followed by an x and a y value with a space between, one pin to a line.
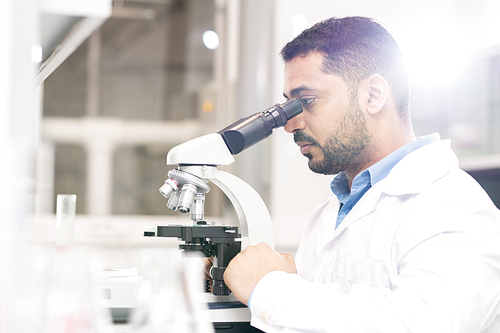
pixel 306 75
pixel 301 74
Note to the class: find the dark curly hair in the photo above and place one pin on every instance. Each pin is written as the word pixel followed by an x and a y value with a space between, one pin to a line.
pixel 355 48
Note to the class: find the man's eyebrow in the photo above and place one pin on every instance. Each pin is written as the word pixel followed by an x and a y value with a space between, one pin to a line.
pixel 297 90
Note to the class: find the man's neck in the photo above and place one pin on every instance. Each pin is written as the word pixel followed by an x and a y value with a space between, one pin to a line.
pixel 376 153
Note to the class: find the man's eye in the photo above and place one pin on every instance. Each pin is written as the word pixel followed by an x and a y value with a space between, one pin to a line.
pixel 306 101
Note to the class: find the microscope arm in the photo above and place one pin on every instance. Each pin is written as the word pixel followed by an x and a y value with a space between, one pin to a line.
pixel 255 221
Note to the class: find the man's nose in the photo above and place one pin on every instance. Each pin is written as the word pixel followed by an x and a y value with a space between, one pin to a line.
pixel 295 124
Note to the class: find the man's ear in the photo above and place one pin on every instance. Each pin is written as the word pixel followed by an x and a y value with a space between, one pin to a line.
pixel 378 91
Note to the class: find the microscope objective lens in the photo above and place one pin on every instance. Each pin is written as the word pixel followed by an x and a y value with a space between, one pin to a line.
pixel 169 187
pixel 186 199
pixel 173 202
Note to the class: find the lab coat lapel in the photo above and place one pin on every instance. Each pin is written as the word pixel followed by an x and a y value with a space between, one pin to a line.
pixel 409 176
pixel 365 206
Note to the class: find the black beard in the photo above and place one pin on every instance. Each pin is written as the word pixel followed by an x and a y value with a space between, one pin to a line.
pixel 342 149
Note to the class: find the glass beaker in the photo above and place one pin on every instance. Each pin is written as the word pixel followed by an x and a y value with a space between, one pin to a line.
pixel 168 298
pixel 65 216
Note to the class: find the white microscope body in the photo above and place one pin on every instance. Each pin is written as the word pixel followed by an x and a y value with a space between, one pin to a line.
pixel 197 161
pixel 201 157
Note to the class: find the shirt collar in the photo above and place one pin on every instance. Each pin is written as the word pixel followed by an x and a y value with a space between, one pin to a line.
pixel 379 170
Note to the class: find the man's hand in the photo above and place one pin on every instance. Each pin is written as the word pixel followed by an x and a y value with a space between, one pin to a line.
pixel 249 266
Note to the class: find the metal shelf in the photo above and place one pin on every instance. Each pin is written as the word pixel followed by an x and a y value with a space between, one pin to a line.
pixel 65 25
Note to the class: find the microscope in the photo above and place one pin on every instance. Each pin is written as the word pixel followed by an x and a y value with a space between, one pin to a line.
pixel 186 188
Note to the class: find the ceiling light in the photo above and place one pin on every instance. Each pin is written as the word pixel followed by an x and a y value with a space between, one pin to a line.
pixel 210 39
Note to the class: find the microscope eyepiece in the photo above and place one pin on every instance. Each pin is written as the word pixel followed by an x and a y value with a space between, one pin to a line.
pixel 248 131
pixel 289 110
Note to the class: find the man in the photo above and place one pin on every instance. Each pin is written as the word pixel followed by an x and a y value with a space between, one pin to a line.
pixel 409 242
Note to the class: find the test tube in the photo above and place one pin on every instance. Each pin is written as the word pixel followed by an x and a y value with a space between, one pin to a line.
pixel 65 215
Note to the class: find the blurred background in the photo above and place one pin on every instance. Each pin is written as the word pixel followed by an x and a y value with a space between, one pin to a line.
pixel 138 77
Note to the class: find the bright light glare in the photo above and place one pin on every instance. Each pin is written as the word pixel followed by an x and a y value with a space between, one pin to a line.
pixel 434 50
pixel 36 54
pixel 299 24
pixel 210 39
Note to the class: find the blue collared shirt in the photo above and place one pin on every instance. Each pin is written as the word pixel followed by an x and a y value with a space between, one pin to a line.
pixel 369 177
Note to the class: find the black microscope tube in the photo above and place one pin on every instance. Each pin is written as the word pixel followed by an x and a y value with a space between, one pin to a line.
pixel 248 131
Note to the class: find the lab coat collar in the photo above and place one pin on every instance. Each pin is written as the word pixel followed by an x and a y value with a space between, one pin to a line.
pixel 419 169
pixel 415 172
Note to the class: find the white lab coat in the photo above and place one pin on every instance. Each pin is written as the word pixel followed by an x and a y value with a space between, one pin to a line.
pixel 420 252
